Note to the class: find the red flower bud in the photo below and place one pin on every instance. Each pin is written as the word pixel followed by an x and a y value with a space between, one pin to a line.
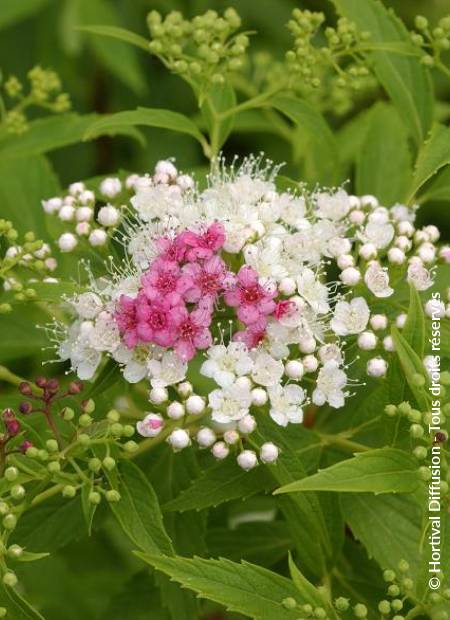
pixel 53 385
pixel 75 387
pixel 8 414
pixel 41 382
pixel 13 427
pixel 25 445
pixel 25 388
pixel 25 407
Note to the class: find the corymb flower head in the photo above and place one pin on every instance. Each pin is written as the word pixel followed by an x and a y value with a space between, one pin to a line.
pixel 224 303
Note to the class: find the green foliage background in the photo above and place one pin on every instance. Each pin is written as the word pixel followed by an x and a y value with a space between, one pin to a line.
pixel 99 578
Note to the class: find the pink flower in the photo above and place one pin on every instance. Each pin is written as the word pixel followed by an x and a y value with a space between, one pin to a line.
pixel 252 300
pixel 193 332
pixel 201 246
pixel 207 279
pixel 157 319
pixel 285 308
pixel 164 278
pixel 126 320
pixel 253 334
pixel 171 249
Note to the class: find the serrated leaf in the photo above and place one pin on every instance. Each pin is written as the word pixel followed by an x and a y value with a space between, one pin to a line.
pixel 149 117
pixel 138 511
pixel 17 607
pixel 54 132
pixel 120 34
pixel 222 482
pixel 385 470
pixel 412 366
pixel 433 155
pixel 314 125
pixel 384 153
pixel 308 593
pixel 244 588
pixel 404 78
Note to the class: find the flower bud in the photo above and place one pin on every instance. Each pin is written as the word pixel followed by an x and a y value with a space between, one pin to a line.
pixel 247 424
pixel 25 388
pixel 175 410
pixel 205 437
pixel 247 460
pixel 268 452
pixel 94 498
pixel 158 396
pixel 220 450
pixel 67 242
pixel 151 425
pixel 98 237
pixel 11 474
pixel 179 439
pixel 112 496
pixel 195 404
pixel 10 579
pixel 377 367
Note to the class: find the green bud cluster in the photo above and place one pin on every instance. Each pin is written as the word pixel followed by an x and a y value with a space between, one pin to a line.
pixel 202 50
pixel 44 91
pixel 432 41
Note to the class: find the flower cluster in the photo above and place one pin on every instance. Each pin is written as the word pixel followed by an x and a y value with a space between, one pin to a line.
pixel 44 92
pixel 223 303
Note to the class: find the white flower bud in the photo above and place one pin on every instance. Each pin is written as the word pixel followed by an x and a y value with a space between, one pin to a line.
pixel 367 341
pixel 175 410
pixel 67 242
pixel 151 425
pixel 231 437
pixel 110 187
pixel 184 389
pixel 307 345
pixel 396 256
pixel 158 395
pixel 195 404
pixel 427 252
pixel 70 201
pixel 369 201
pixel 435 309
pixel 12 252
pixel 403 243
pixel 84 214
pixel 350 276
pixel 432 232
pixel 377 367
pixel 287 286
pixel 354 201
pixel 405 228
pixel 83 229
pixel 247 424
pixel 185 182
pixel 268 452
pixel 98 237
pixel 179 439
pixel 51 263
pixel 131 180
pixel 205 437
pixel 388 343
pixel 310 363
pixel 66 213
pixel 368 251
pixel 247 460
pixel 52 205
pixel 244 383
pixel 166 167
pixel 294 369
pixel 43 251
pixel 76 188
pixel 339 245
pixel 357 217
pixel 379 321
pixel 87 197
pixel 420 236
pixel 345 261
pixel 220 450
pixel 259 397
pixel 108 216
pixel 444 253
pixel 401 320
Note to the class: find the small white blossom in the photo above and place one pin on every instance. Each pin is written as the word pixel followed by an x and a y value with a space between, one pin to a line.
pixel 266 370
pixel 169 370
pixel 230 404
pixel 226 363
pixel 285 404
pixel 377 280
pixel 331 382
pixel 350 317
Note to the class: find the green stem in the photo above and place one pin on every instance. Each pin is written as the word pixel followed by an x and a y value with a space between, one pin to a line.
pixel 343 442
pixel 50 492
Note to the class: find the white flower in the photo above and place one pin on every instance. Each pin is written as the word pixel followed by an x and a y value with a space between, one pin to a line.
pixel 380 234
pixel 98 237
pixel 285 404
pixel 225 363
pixel 331 381
pixel 110 187
pixel 265 258
pixel 266 371
pixel 108 216
pixel 105 334
pixel 329 352
pixel 156 201
pixel 87 305
pixel 333 206
pixel 151 425
pixel 350 318
pixel 377 280
pixel 167 371
pixel 134 361
pixel 419 276
pixel 230 404
pixel 311 289
pixel 67 242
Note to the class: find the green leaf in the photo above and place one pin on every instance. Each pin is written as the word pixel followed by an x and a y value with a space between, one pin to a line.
pixel 414 329
pixel 384 154
pixel 28 556
pixel 109 374
pixel 219 99
pixel 116 56
pixel 438 188
pixel 220 483
pixel 314 125
pixel 55 132
pixel 433 155
pixel 150 117
pixel 412 366
pixel 13 12
pixel 389 527
pixel 385 470
pixel 139 600
pixel 138 511
pixel 18 608
pixel 118 33
pixel 244 588
pixel 308 593
pixel 88 508
pixel 404 78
